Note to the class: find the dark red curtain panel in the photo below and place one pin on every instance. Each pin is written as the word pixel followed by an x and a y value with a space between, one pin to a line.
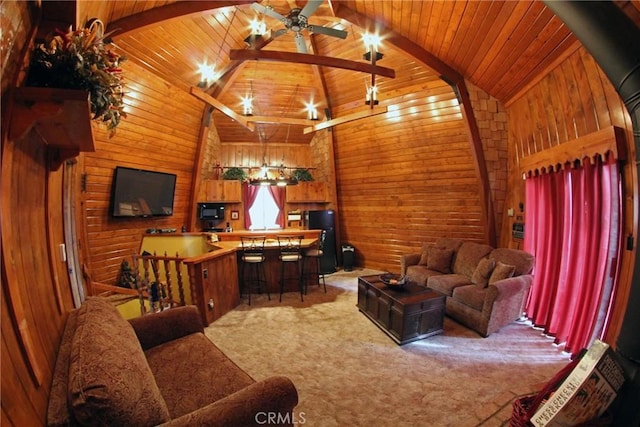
pixel 573 229
pixel 249 194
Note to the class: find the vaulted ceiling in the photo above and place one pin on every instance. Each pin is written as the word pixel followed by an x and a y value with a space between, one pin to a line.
pixel 499 46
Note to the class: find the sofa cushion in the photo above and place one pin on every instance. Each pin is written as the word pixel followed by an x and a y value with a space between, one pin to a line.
pixel 440 260
pixel 470 295
pixel 424 256
pixel 468 257
pixel 483 271
pixel 501 271
pixel 109 378
pixel 523 261
pixel 420 274
pixel 182 366
pixel 446 283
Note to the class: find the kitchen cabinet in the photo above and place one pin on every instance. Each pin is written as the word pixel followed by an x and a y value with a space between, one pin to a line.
pixel 307 192
pixel 229 191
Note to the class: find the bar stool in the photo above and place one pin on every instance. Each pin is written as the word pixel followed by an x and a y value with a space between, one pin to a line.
pixel 290 258
pixel 253 265
pixel 316 253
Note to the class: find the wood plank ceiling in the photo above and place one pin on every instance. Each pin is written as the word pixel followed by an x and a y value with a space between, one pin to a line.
pixel 499 46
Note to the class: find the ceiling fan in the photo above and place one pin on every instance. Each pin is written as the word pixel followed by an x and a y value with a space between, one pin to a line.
pixel 298 20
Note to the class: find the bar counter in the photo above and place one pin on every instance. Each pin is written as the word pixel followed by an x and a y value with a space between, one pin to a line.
pixel 214 274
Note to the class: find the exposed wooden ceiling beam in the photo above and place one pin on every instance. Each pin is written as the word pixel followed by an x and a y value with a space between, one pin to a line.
pixel 202 95
pixel 401 42
pixel 246 121
pixel 348 118
pixel 285 120
pixel 169 11
pixel 304 58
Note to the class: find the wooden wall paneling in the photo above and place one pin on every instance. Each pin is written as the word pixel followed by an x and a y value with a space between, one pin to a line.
pixel 160 133
pixel 32 314
pixel 406 191
pixel 599 98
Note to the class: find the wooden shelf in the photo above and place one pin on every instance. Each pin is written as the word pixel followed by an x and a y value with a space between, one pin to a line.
pixel 61 117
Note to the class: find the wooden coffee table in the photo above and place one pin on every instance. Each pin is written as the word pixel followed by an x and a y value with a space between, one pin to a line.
pixel 406 314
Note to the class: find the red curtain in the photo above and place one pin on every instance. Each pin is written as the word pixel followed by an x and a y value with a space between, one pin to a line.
pixel 249 194
pixel 572 229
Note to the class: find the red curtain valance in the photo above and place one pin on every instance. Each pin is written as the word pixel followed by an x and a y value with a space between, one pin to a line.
pixel 606 143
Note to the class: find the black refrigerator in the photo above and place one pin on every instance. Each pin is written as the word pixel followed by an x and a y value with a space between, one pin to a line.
pixel 324 220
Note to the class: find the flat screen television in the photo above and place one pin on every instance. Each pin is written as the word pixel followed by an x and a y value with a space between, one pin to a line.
pixel 142 193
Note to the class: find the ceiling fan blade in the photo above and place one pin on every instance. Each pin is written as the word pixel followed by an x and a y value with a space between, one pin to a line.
pixel 310 7
pixel 300 43
pixel 269 12
pixel 328 31
pixel 278 33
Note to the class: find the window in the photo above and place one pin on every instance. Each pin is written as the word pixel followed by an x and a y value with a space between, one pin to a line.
pixel 264 211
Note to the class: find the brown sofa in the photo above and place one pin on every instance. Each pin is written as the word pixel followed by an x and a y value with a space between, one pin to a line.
pixel 485 287
pixel 158 369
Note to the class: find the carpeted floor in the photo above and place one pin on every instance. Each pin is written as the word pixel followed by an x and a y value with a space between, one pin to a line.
pixel 349 373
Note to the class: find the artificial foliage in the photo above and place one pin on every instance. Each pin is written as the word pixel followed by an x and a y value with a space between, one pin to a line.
pixel 234 173
pixel 82 59
pixel 302 175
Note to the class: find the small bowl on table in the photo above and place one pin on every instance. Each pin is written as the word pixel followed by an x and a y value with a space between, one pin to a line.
pixel 392 280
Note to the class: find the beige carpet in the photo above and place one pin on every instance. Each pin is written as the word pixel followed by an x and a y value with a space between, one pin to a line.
pixel 349 373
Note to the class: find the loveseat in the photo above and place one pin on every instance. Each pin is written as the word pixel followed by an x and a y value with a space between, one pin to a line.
pixel 485 287
pixel 158 369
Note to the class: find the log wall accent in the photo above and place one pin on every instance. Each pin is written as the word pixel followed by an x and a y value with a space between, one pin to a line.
pixel 491 118
pixel 575 99
pixel 160 133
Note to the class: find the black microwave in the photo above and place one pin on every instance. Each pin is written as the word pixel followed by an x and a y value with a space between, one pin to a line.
pixel 210 211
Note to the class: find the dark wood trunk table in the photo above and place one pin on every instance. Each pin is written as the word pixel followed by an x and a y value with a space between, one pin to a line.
pixel 406 314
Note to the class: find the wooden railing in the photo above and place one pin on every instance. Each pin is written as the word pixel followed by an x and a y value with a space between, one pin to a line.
pixel 157 281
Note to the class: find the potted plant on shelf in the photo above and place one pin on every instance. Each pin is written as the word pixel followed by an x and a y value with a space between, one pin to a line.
pixel 301 175
pixel 83 59
pixel 234 173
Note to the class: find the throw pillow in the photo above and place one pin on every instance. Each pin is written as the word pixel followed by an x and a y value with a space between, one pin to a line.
pixel 425 255
pixel 482 273
pixel 440 260
pixel 501 271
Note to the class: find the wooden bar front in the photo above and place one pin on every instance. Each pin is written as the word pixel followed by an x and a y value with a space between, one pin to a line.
pixel 272 262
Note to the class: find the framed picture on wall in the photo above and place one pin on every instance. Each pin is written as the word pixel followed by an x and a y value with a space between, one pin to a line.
pixel 235 214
